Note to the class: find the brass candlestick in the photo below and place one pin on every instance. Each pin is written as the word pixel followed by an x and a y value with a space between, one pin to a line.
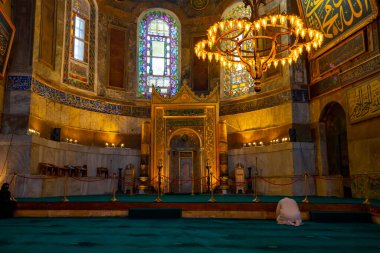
pixel 306 188
pixel 367 201
pixel 65 199
pixel 114 199
pixel 158 199
pixel 256 197
pixel 212 199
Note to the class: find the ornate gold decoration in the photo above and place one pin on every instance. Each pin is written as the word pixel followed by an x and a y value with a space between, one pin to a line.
pixel 364 100
pixel 337 20
pixel 199 4
pixel 195 115
pixel 236 43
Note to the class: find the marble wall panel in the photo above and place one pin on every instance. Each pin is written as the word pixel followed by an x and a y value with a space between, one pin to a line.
pixel 300 112
pixel 19 102
pixel 27 187
pixel 15 154
pixel 272 160
pixel 304 158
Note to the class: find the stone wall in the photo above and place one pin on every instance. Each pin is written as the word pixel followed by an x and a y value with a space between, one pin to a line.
pixel 22 154
pixel 363 141
pixel 88 127
pixel 280 167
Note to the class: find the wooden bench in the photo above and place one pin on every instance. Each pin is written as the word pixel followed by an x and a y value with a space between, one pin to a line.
pixel 48 169
pixel 102 170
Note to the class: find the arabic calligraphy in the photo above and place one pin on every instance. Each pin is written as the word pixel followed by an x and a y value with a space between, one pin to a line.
pixel 333 17
pixel 364 101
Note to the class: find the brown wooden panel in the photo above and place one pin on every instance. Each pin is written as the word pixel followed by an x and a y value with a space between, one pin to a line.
pixel 47 34
pixel 199 70
pixel 117 58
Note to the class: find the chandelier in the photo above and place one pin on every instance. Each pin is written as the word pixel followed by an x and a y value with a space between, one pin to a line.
pixel 257 43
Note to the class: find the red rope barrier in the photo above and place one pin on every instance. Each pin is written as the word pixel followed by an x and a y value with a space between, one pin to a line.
pixel 89 180
pixel 37 177
pixel 269 182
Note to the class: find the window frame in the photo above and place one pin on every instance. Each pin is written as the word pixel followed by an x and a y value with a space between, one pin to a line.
pixel 144 72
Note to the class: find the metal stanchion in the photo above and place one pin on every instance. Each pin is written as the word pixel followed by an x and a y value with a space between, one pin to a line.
pixel 65 199
pixel 306 188
pixel 256 197
pixel 14 188
pixel 367 201
pixel 192 185
pixel 208 175
pixel 158 199
pixel 212 199
pixel 114 199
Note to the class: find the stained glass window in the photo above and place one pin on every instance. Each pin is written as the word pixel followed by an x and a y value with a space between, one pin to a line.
pixel 237 81
pixel 158 53
pixel 79 44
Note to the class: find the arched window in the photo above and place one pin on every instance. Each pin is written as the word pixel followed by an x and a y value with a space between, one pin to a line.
pixel 237 81
pixel 79 58
pixel 158 53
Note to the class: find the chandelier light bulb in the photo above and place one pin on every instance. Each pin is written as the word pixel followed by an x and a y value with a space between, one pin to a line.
pixel 274 20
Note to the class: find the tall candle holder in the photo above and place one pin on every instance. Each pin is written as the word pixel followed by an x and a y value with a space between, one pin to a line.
pixel 158 199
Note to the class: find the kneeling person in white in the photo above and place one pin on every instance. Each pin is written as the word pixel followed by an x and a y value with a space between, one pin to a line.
pixel 288 213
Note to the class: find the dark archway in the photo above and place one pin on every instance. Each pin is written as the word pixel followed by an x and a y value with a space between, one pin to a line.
pixel 334 121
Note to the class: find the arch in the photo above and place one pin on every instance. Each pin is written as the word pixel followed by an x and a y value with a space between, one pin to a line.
pixel 158 52
pixel 184 130
pixel 185 155
pixel 333 126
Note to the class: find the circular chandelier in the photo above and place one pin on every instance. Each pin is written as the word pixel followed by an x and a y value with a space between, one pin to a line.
pixel 258 43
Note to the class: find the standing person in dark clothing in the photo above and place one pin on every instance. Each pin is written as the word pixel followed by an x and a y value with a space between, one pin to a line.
pixel 7 203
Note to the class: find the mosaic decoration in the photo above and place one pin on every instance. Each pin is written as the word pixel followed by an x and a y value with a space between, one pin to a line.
pixel 185 112
pixel 184 122
pixel 342 54
pixel 68 77
pixel 364 101
pixel 366 186
pixel 237 82
pixel 158 54
pixel 230 108
pixel 87 104
pixel 337 19
pixel 347 77
pixel 19 82
pixel 199 4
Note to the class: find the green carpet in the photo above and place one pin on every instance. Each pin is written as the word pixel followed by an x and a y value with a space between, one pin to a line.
pixel 110 235
pixel 196 199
